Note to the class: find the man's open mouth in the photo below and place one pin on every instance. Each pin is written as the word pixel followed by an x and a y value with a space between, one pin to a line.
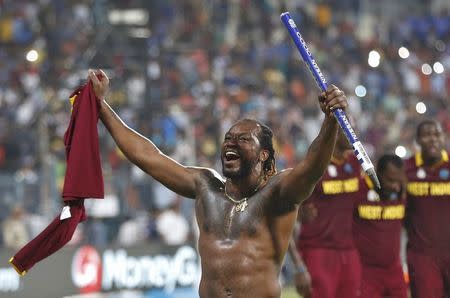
pixel 231 155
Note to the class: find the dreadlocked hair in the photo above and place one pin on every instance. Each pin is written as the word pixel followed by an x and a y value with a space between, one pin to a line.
pixel 265 140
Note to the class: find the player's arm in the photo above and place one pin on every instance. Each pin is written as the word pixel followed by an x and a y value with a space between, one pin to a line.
pixel 140 150
pixel 302 278
pixel 298 183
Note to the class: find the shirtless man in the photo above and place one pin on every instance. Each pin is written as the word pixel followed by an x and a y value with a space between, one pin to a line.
pixel 246 218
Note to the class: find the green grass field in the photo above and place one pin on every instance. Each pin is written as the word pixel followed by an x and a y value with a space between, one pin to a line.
pixel 289 293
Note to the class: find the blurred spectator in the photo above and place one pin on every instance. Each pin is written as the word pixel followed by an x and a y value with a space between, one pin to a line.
pixel 172 226
pixel 97 232
pixel 15 233
pixel 133 230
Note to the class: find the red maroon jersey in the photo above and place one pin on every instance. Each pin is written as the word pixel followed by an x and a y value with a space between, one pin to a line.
pixel 428 212
pixel 377 227
pixel 334 197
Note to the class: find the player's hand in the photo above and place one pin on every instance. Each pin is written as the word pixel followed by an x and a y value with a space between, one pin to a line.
pixel 303 283
pixel 100 83
pixel 307 212
pixel 332 99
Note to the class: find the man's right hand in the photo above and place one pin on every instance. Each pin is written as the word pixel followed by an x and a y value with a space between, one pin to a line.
pixel 303 283
pixel 100 83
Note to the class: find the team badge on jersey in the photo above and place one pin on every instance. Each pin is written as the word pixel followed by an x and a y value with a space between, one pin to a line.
pixel 421 174
pixel 393 196
pixel 348 168
pixel 372 196
pixel 444 174
pixel 332 171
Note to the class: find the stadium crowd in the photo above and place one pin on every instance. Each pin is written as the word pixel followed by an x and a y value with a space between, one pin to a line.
pixel 203 65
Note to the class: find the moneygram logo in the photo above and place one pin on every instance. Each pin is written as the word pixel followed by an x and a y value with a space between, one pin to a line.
pixel 118 270
pixel 87 270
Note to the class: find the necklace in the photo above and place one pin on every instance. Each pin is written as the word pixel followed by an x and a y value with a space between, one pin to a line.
pixel 242 203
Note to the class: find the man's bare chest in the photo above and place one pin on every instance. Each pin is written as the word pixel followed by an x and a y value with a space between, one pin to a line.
pixel 225 218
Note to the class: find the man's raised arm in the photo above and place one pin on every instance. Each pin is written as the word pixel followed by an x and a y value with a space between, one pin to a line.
pixel 298 183
pixel 140 150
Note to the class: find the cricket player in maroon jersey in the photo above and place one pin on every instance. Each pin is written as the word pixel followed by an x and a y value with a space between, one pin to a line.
pixel 377 230
pixel 428 214
pixel 326 241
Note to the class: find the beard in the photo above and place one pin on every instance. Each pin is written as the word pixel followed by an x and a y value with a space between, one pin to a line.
pixel 245 168
pixel 432 153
